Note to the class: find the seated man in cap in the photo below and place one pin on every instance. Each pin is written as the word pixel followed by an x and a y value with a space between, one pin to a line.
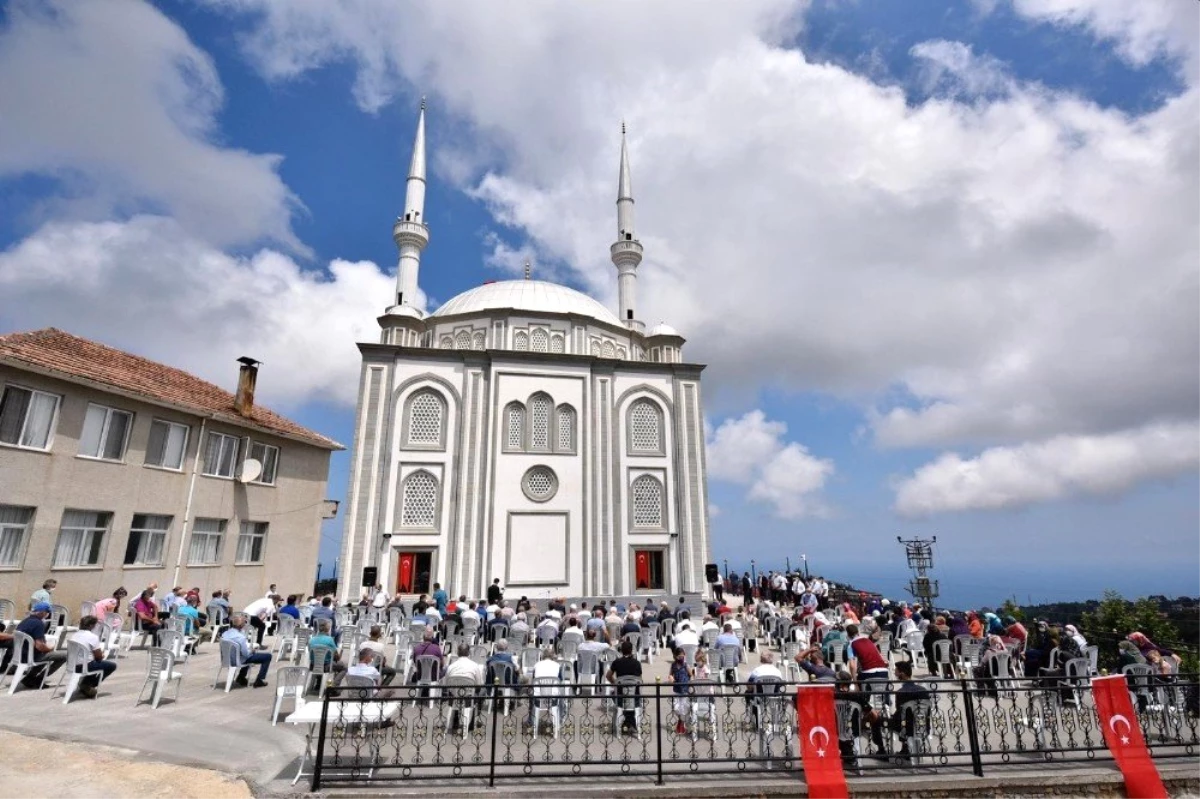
pixel 34 625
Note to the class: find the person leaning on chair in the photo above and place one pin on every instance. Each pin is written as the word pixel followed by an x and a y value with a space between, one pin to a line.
pixel 238 638
pixel 34 626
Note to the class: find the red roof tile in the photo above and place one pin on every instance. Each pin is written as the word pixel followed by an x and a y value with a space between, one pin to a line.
pixel 73 358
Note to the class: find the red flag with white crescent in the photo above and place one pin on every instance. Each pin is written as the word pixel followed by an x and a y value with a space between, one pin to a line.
pixel 1123 734
pixel 819 742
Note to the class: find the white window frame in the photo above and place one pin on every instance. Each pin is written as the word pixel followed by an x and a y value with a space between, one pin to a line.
pixel 23 434
pixel 225 440
pixel 661 417
pixel 105 429
pixel 171 428
pixel 559 411
pixel 19 529
pixel 88 543
pixel 219 534
pixel 247 535
pixel 146 533
pixel 662 502
pixel 437 501
pixel 259 451
pixel 506 427
pixel 407 420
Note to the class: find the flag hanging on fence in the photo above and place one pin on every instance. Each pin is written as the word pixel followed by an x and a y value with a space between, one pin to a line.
pixel 818 728
pixel 1123 734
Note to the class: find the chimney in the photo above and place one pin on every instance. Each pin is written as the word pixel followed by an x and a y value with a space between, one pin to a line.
pixel 243 403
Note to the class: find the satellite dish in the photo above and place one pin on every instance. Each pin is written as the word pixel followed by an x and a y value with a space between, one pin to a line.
pixel 251 469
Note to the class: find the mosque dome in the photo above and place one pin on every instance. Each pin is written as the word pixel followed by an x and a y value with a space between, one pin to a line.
pixel 534 296
pixel 663 329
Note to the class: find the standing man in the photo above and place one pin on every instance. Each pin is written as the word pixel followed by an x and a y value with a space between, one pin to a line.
pixel 718 587
pixel 235 635
pixel 43 593
pixel 494 592
pixel 747 590
pixel 381 598
pixel 440 599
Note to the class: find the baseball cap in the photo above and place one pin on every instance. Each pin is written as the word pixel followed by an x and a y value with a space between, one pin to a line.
pixel 43 607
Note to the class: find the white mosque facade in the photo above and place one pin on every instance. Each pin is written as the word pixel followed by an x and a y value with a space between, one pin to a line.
pixel 523 431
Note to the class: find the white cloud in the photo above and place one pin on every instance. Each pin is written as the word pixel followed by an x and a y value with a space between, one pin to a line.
pixel 713 510
pixel 750 450
pixel 1064 466
pixel 954 66
pixel 113 100
pixel 148 287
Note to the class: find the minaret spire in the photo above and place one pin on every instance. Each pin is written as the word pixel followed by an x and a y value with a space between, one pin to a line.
pixel 626 251
pixel 410 232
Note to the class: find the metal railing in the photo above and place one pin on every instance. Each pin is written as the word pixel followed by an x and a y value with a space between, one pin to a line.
pixel 490 733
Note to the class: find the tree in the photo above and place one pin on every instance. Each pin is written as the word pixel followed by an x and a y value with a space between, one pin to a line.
pixel 1115 617
pixel 1010 608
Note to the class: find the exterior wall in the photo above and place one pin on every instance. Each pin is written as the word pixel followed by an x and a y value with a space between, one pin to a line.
pixel 578 542
pixel 59 479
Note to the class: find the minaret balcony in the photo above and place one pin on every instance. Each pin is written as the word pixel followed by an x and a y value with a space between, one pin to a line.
pixel 406 232
pixel 627 250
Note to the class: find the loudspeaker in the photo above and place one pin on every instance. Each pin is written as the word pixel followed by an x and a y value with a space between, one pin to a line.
pixel 710 573
pixel 370 576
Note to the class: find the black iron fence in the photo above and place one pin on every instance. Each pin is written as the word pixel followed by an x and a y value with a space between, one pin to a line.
pixel 650 731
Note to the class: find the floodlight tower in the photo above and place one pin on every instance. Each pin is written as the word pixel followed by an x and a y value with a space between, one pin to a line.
pixel 919 552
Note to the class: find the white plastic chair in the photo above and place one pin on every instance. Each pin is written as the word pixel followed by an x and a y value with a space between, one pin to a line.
pixel 547 698
pixel 703 702
pixel 175 642
pixel 24 661
pixel 627 700
pixel 160 672
pixel 460 694
pixel 291 682
pixel 230 662
pixel 78 657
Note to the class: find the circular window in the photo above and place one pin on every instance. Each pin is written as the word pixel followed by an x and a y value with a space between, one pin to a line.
pixel 540 483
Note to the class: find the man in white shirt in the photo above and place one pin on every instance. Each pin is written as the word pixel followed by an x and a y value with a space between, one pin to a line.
pixel 686 636
pixel 86 635
pixel 259 611
pixel 470 613
pixel 765 668
pixel 463 666
pixel 365 667
pixel 238 638
pixel 381 598
pixel 374 645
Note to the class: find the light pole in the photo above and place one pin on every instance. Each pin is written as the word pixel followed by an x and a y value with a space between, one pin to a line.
pixel 806 575
pixel 753 574
pixel 789 564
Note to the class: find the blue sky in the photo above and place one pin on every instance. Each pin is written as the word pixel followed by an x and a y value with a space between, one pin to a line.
pixel 940 259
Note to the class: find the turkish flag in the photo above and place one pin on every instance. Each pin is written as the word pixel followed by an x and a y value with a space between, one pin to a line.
pixel 1123 734
pixel 404 583
pixel 642 574
pixel 819 742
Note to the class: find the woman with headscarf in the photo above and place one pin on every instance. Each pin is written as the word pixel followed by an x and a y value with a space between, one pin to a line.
pixel 1145 646
pixel 1073 631
pixel 958 626
pixel 974 625
pixel 995 646
pixel 938 631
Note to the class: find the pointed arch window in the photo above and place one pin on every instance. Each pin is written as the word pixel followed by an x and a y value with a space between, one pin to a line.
pixel 420 500
pixel 425 420
pixel 645 428
pixel 446 343
pixel 540 406
pixel 521 341
pixel 609 351
pixel 558 343
pixel 514 426
pixel 539 340
pixel 595 349
pixel 564 429
pixel 480 341
pixel 647 501
pixel 462 340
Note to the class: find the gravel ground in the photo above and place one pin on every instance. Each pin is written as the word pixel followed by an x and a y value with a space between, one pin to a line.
pixel 34 767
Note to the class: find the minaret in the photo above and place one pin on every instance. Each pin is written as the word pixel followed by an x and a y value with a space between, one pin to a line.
pixel 626 250
pixel 410 232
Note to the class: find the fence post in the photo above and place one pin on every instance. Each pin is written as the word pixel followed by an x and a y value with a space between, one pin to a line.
pixel 972 730
pixel 317 758
pixel 658 726
pixel 495 717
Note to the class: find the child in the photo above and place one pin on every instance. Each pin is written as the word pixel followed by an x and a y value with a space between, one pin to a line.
pixel 680 676
pixel 701 671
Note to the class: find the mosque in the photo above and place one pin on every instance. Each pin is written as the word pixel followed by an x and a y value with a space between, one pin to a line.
pixel 522 431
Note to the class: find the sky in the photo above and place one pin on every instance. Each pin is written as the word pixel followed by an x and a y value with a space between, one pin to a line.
pixel 942 260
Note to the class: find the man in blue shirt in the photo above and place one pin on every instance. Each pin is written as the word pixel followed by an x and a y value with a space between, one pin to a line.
pixel 34 626
pixel 290 608
pixel 440 598
pixel 248 657
pixel 325 612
